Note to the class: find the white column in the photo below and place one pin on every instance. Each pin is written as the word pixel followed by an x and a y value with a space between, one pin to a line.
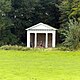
pixel 35 40
pixel 28 39
pixel 46 40
pixel 53 39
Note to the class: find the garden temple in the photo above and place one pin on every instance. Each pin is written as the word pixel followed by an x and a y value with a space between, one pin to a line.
pixel 41 35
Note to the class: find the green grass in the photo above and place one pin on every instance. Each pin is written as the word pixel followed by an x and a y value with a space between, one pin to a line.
pixel 39 65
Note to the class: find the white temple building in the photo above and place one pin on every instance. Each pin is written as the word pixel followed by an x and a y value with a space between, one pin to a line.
pixel 41 35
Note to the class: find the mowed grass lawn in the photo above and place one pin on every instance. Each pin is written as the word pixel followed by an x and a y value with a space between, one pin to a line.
pixel 39 65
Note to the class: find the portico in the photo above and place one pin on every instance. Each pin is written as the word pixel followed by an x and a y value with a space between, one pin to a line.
pixel 41 34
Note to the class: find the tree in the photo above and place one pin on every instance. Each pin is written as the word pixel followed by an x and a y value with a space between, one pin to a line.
pixel 73 34
pixel 5 7
pixel 6 37
pixel 68 9
pixel 75 10
pixel 24 14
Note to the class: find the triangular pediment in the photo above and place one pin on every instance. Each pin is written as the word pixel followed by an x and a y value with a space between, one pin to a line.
pixel 41 26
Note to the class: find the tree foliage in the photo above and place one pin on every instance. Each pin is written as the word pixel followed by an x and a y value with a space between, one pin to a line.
pixel 73 35
pixel 5 7
pixel 17 15
pixel 69 9
pixel 27 13
pixel 6 37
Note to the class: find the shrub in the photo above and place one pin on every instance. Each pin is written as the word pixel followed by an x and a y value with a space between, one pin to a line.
pixel 14 47
pixel 61 47
pixel 73 35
